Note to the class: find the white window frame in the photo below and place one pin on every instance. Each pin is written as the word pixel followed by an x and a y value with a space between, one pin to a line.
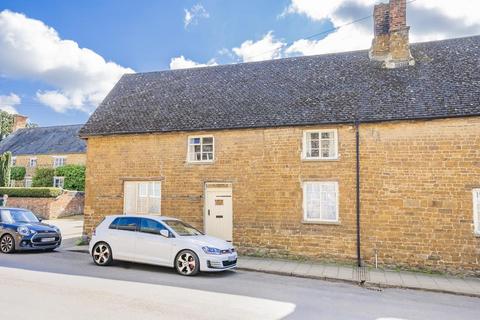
pixel 476 211
pixel 28 179
pixel 14 161
pixel 60 179
pixel 148 196
pixel 337 204
pixel 201 137
pixel 306 148
pixel 55 158
pixel 30 162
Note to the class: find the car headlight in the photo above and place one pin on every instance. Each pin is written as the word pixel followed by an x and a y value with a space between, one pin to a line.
pixel 57 230
pixel 23 231
pixel 210 250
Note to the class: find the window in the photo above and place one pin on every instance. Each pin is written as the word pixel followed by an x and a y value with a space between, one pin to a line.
pixel 33 162
pixel 320 145
pixel 14 161
pixel 476 210
pixel 28 182
pixel 125 224
pixel 200 149
pixel 320 201
pixel 58 182
pixel 142 197
pixel 59 161
pixel 151 226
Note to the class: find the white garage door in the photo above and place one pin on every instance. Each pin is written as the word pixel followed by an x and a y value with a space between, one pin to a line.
pixel 142 197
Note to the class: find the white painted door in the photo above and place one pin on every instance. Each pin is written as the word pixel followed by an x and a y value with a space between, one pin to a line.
pixel 219 211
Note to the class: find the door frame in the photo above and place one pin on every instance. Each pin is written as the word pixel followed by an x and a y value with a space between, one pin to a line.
pixel 226 184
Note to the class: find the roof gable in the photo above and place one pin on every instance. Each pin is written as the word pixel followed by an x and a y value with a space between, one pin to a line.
pixel 334 88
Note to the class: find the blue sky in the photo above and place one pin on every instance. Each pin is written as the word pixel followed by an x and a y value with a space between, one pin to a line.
pixel 55 82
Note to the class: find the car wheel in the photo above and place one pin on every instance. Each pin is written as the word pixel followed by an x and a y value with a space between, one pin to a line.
pixel 102 254
pixel 187 263
pixel 7 244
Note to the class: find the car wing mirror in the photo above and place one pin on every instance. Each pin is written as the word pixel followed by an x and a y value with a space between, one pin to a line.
pixel 165 233
pixel 39 219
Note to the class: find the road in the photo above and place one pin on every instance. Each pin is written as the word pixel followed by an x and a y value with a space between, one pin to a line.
pixel 67 285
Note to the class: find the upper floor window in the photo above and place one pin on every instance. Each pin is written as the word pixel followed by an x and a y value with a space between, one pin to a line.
pixel 14 161
pixel 476 210
pixel 320 201
pixel 32 162
pixel 59 161
pixel 320 144
pixel 200 149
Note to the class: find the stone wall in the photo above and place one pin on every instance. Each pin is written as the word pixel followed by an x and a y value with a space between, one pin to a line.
pixel 417 178
pixel 68 204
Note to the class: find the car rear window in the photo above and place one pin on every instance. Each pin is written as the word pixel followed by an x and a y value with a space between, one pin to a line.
pixel 126 224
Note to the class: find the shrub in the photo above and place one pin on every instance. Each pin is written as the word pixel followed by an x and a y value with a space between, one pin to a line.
pixel 74 177
pixel 5 165
pixel 32 192
pixel 43 177
pixel 17 173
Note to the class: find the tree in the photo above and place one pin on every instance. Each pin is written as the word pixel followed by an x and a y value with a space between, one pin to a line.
pixel 6 124
pixel 5 163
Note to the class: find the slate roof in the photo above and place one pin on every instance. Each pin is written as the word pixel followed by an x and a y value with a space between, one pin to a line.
pixel 333 88
pixel 44 140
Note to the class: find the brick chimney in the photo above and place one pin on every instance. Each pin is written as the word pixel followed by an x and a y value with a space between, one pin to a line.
pixel 19 122
pixel 391 41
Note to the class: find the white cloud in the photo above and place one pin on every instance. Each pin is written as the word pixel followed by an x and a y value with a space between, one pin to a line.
pixel 183 63
pixel 194 14
pixel 264 49
pixel 8 103
pixel 429 20
pixel 30 49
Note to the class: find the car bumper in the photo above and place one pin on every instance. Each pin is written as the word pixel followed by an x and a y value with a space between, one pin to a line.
pixel 215 263
pixel 38 241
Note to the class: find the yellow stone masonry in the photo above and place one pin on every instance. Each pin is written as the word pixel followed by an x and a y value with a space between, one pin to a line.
pixel 417 180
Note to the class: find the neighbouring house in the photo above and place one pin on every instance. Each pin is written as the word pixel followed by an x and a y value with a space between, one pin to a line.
pixel 366 155
pixel 43 147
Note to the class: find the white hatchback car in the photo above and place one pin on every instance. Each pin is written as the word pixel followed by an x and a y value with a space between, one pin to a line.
pixel 160 241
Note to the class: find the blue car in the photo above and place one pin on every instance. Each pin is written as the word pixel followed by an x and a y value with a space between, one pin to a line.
pixel 21 230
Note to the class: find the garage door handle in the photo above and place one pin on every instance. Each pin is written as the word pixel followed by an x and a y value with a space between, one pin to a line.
pixel 219 216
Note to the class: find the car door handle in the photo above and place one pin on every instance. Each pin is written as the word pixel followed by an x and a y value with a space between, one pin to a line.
pixel 219 216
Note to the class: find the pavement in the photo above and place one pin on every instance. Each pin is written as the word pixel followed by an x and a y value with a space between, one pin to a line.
pixel 368 277
pixel 68 285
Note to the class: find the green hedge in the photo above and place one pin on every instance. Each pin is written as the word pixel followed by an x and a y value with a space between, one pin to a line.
pixel 43 177
pixel 74 177
pixel 17 173
pixel 32 192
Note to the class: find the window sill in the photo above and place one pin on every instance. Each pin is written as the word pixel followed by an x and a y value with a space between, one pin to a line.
pixel 332 223
pixel 201 162
pixel 320 159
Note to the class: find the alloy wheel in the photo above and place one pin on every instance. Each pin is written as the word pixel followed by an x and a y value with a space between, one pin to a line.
pixel 101 254
pixel 7 244
pixel 186 263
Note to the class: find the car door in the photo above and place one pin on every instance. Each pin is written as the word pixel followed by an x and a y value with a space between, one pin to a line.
pixel 151 246
pixel 122 237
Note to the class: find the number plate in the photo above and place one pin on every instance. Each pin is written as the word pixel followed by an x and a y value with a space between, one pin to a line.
pixel 47 239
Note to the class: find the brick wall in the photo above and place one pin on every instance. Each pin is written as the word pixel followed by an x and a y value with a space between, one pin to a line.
pixel 68 204
pixel 416 189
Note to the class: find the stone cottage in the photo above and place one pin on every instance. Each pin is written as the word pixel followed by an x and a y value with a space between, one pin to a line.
pixel 43 147
pixel 348 157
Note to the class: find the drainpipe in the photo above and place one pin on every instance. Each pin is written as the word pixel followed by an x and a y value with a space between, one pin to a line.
pixel 357 143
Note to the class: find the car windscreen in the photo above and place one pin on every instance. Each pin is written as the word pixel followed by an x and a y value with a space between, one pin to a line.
pixel 182 228
pixel 15 216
